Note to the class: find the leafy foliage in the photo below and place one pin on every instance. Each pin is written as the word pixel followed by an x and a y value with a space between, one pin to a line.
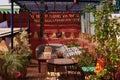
pixel 11 63
pixel 22 45
pixel 85 59
pixel 16 60
pixel 107 31
pixel 72 44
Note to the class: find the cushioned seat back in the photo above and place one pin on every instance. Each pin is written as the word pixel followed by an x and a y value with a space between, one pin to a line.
pixel 39 49
pixel 48 49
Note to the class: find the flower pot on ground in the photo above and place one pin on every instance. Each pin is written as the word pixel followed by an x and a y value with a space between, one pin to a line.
pixel 10 65
pixel 86 61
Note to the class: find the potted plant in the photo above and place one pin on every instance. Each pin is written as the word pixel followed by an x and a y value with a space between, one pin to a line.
pixel 21 44
pixel 86 60
pixel 14 62
pixel 22 47
pixel 10 66
pixel 107 31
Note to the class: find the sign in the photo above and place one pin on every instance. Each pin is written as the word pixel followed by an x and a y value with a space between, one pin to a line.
pixel 61 18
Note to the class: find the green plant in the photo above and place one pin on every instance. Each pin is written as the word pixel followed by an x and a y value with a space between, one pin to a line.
pixel 107 30
pixel 72 44
pixel 10 65
pixel 16 60
pixel 85 59
pixel 22 45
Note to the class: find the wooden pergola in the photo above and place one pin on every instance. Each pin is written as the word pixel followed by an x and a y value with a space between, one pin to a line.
pixel 48 6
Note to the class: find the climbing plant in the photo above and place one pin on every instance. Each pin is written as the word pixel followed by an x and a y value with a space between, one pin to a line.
pixel 107 31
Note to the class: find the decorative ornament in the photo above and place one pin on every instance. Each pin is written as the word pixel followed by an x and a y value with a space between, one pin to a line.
pixel 36 35
pixel 75 1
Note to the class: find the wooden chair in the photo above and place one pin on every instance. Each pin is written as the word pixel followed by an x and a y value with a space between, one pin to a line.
pixel 76 70
pixel 43 53
pixel 47 52
pixel 38 51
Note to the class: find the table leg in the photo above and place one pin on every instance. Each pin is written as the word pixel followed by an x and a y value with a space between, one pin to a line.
pixel 39 66
pixel 55 71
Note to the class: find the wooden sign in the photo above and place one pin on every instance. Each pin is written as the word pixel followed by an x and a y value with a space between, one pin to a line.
pixel 58 18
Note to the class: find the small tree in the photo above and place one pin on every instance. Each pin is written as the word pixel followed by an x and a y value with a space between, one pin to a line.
pixel 107 31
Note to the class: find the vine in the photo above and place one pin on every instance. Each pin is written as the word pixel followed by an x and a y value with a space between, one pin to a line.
pixel 107 31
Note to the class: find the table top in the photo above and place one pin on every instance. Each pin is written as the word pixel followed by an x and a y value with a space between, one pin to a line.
pixel 46 57
pixel 62 61
pixel 42 58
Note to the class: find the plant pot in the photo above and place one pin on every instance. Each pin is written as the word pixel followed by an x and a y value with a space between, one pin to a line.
pixel 18 75
pixel 7 78
pixel 88 69
pixel 22 75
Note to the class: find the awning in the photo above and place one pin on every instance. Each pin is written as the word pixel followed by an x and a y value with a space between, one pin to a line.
pixel 7 9
pixel 54 5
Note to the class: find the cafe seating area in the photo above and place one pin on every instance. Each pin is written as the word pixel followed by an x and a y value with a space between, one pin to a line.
pixel 55 64
pixel 33 74
pixel 60 40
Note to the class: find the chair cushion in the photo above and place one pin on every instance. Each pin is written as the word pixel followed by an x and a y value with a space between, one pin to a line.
pixel 47 55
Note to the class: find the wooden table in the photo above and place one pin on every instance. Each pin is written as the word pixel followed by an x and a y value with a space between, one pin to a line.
pixel 61 62
pixel 43 60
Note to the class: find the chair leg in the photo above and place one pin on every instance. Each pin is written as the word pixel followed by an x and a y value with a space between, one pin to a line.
pixel 75 75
